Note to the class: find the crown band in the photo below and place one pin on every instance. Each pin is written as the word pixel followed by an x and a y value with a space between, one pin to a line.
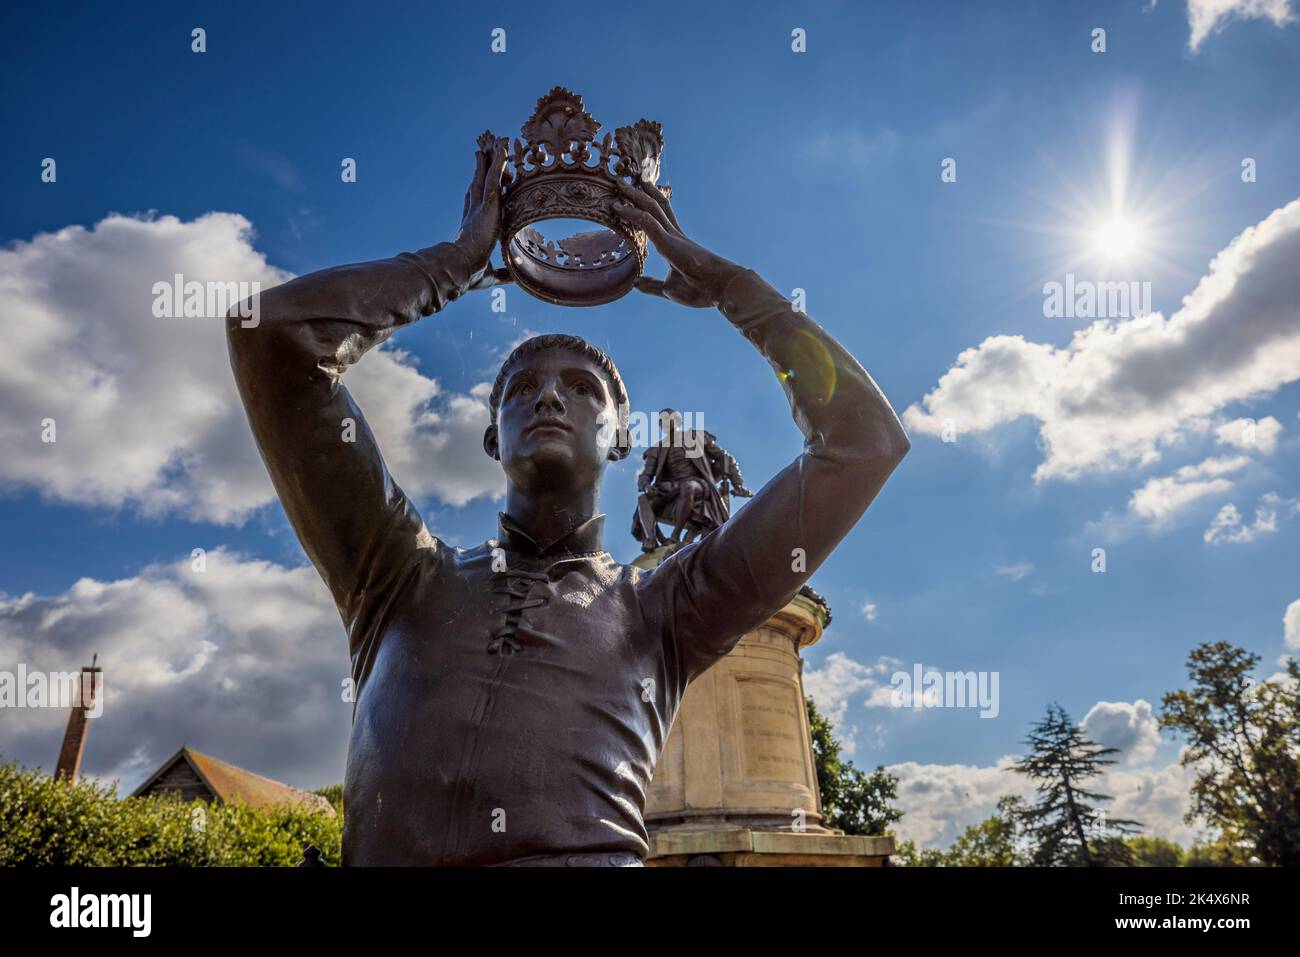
pixel 559 171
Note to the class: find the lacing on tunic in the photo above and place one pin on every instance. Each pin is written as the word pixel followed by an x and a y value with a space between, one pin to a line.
pixel 515 586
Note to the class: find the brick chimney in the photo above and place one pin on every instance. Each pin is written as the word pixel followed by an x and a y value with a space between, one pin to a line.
pixel 74 739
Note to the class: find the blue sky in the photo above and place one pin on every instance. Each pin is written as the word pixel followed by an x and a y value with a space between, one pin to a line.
pixel 821 171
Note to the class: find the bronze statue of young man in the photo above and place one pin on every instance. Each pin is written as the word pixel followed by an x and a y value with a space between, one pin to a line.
pixel 512 698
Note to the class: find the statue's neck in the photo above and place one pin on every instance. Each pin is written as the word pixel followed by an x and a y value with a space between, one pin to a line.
pixel 551 515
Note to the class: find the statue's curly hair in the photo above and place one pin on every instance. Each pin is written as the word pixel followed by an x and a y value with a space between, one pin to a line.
pixel 559 340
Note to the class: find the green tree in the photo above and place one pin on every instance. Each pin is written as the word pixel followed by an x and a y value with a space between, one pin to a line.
pixel 852 801
pixel 993 842
pixel 1154 852
pixel 1218 853
pixel 1059 824
pixel 908 855
pixel 1244 744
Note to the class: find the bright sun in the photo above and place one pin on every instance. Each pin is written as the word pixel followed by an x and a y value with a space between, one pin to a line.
pixel 1105 219
pixel 1117 239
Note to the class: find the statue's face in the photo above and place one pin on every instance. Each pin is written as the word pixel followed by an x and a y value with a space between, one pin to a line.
pixel 557 420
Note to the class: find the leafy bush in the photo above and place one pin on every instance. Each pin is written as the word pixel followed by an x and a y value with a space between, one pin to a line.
pixel 51 823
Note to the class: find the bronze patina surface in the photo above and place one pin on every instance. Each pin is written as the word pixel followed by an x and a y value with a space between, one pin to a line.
pixel 512 698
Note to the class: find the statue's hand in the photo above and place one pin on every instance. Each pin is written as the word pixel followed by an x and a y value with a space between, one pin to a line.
pixel 696 276
pixel 480 223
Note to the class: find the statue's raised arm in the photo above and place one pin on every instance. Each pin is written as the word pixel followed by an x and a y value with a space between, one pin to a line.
pixel 354 522
pixel 710 593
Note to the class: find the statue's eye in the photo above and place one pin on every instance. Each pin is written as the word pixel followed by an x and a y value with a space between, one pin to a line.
pixel 523 388
pixel 581 388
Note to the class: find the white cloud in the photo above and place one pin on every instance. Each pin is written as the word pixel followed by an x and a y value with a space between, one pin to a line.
pixel 1251 435
pixel 940 801
pixel 837 681
pixel 1161 498
pixel 1130 726
pixel 1291 626
pixel 1228 526
pixel 1156 795
pixel 870 611
pixel 1017 571
pixel 244 661
pixel 432 442
pixel 1211 16
pixel 145 408
pixel 523 336
pixel 1121 392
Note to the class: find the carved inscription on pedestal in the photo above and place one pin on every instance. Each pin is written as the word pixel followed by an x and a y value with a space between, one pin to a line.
pixel 769 731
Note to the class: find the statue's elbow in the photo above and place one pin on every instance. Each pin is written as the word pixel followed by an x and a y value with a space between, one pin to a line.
pixel 898 446
pixel 874 449
pixel 253 335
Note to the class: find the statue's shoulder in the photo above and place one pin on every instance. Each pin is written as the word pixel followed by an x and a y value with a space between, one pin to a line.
pixel 696 436
pixel 633 575
pixel 469 556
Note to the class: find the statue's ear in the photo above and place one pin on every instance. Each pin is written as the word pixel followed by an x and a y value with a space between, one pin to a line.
pixel 490 443
pixel 622 445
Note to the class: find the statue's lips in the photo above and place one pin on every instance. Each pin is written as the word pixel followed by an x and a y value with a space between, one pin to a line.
pixel 549 425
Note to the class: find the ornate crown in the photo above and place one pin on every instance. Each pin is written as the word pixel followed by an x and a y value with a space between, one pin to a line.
pixel 560 172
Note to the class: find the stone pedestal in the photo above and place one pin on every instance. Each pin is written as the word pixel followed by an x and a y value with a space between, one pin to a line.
pixel 736 785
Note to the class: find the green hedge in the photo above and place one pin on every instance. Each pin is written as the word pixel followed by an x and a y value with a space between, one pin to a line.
pixel 48 822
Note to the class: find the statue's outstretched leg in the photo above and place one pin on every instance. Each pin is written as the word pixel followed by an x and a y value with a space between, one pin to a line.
pixel 687 495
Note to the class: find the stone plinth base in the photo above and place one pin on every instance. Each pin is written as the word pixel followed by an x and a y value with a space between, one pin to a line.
pixel 736 774
pixel 742 847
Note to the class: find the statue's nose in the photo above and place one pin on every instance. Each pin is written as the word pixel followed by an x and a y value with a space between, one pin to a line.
pixel 549 397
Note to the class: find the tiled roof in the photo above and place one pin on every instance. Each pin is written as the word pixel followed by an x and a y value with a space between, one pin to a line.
pixel 229 782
